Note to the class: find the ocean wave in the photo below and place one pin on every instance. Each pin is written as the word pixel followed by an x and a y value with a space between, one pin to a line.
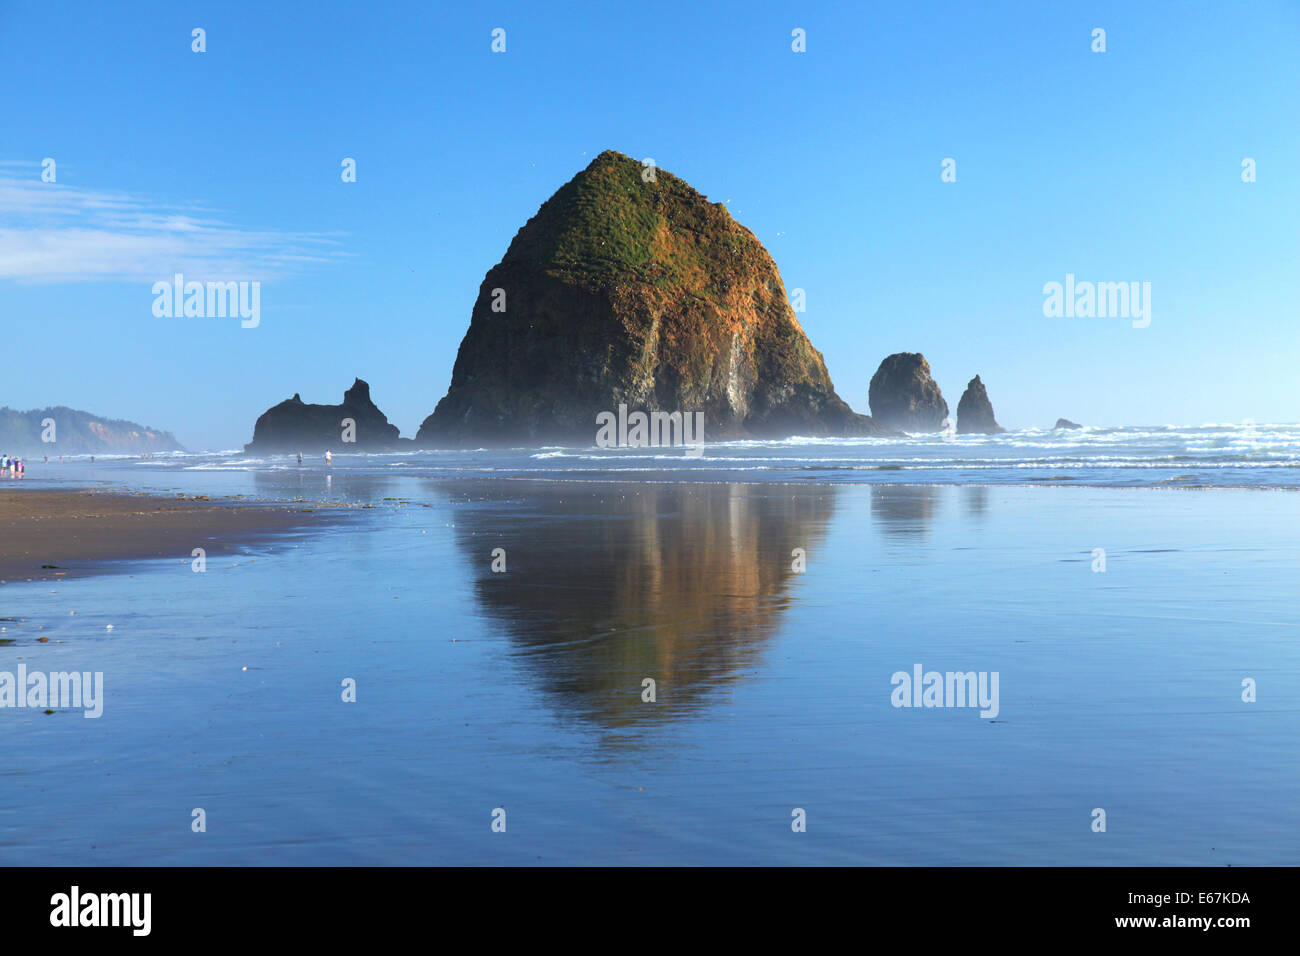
pixel 1233 454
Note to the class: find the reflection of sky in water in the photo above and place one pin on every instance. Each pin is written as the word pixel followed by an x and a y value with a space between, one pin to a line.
pixel 523 690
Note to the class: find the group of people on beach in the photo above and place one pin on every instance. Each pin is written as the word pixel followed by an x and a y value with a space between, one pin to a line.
pixel 12 466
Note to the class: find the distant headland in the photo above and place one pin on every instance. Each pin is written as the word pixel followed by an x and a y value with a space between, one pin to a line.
pixel 68 431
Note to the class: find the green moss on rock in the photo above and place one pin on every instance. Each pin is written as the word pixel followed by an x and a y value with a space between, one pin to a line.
pixel 623 291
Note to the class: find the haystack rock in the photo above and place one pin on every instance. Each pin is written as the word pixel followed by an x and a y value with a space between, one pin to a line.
pixel 630 288
pixel 905 396
pixel 975 411
pixel 1066 423
pixel 294 426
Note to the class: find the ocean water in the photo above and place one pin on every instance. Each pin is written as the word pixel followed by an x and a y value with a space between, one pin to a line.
pixel 770 590
pixel 1208 455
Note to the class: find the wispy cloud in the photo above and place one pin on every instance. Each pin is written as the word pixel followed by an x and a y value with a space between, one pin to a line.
pixel 51 232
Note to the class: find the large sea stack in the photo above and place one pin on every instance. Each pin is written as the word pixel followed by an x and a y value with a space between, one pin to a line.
pixel 635 290
pixel 294 425
pixel 975 411
pixel 905 396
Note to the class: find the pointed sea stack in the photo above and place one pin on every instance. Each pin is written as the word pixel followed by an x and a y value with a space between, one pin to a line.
pixel 294 426
pixel 626 292
pixel 905 396
pixel 975 411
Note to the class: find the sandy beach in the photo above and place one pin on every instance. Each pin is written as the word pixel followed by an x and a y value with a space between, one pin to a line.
pixel 48 534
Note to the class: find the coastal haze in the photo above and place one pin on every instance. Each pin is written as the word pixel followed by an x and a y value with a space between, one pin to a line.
pixel 590 440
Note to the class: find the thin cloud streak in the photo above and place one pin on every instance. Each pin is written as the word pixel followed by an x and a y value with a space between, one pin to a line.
pixel 58 233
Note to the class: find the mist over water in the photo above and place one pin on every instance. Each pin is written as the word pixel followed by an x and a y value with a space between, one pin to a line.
pixel 1210 455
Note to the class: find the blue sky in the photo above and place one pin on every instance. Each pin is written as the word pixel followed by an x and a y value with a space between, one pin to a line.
pixel 1115 166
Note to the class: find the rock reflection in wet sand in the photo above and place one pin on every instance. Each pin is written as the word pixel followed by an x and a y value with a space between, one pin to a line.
pixel 609 584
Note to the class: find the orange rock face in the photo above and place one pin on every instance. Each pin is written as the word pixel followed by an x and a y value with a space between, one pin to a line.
pixel 631 288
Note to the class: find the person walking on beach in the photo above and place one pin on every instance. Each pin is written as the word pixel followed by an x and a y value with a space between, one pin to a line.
pixel 300 458
pixel 329 457
pixel 22 467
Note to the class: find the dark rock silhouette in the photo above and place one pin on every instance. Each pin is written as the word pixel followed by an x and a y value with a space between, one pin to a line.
pixel 975 411
pixel 635 290
pixel 905 509
pixel 1066 423
pixel 294 425
pixel 904 395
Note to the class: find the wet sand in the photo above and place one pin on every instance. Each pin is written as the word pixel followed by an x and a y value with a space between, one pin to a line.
pixel 47 535
pixel 773 686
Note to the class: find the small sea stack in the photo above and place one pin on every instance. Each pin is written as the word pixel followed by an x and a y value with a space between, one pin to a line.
pixel 975 411
pixel 1066 423
pixel 296 426
pixel 904 395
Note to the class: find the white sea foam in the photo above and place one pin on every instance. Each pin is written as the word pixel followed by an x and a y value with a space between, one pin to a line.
pixel 1220 454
